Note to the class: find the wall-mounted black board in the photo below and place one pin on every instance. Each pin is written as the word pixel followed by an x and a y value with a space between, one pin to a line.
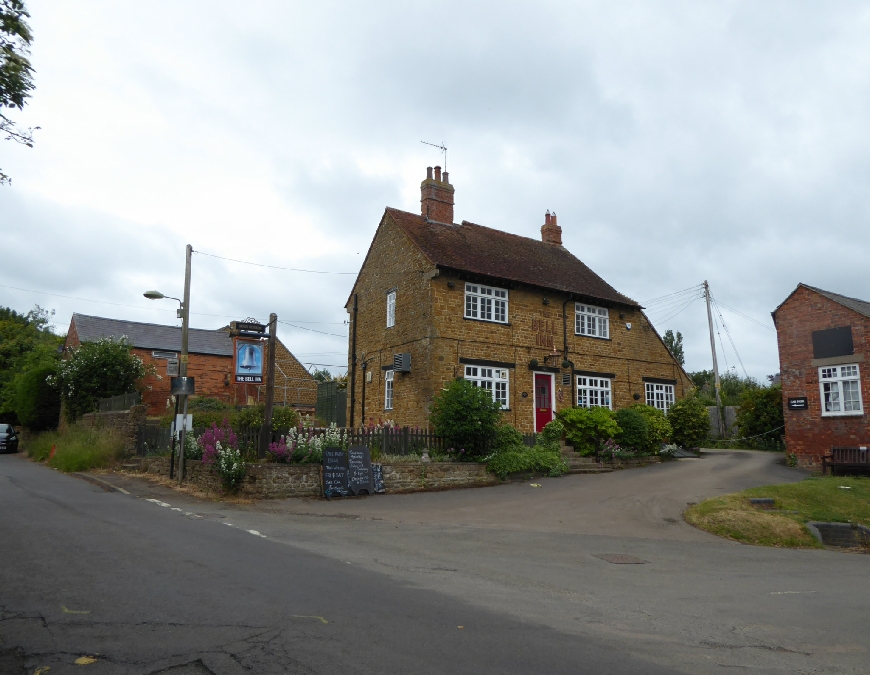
pixel 359 475
pixel 335 470
pixel 378 478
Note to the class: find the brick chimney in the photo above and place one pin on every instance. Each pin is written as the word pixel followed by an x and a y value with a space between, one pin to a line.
pixel 551 233
pixel 436 197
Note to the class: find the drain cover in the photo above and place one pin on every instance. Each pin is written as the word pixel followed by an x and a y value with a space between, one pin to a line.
pixel 620 558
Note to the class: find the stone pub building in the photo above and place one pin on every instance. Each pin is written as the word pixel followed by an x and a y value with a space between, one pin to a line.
pixel 525 319
pixel 824 339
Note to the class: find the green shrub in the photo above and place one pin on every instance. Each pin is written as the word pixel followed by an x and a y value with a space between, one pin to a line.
pixel 206 404
pixel 512 455
pixel 634 431
pixel 507 437
pixel 760 412
pixel 284 418
pixel 466 416
pixel 251 416
pixel 36 398
pixel 230 467
pixel 78 449
pixel 587 428
pixel 657 425
pixel 690 422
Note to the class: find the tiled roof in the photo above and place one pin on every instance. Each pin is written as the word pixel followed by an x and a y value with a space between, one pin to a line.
pixel 501 255
pixel 860 306
pixel 152 335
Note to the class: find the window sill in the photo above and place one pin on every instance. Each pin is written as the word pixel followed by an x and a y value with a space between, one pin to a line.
pixel 497 323
pixel 859 413
pixel 593 337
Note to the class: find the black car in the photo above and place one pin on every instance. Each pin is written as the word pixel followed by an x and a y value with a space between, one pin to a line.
pixel 8 439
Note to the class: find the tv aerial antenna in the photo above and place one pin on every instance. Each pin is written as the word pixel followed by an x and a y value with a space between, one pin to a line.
pixel 441 147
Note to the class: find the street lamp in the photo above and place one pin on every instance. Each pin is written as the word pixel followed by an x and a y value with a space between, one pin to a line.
pixel 183 314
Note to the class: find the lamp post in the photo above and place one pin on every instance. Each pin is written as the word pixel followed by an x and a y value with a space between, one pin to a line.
pixel 183 314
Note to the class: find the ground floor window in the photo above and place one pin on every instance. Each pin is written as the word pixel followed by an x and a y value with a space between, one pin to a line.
pixel 841 390
pixel 388 390
pixel 660 396
pixel 496 380
pixel 593 392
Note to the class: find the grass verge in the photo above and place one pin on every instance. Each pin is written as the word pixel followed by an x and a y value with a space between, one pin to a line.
pixel 77 449
pixel 820 499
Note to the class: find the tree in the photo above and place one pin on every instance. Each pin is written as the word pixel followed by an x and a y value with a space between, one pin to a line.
pixel 467 416
pixel 321 375
pixel 760 415
pixel 690 422
pixel 97 370
pixel 16 73
pixel 26 343
pixel 675 345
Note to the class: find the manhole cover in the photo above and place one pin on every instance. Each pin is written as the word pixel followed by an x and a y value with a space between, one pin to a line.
pixel 619 558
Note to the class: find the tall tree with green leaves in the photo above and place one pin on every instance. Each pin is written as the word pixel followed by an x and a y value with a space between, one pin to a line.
pixel 674 343
pixel 27 344
pixel 16 73
pixel 97 370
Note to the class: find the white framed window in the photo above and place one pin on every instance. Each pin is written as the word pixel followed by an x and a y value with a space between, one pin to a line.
pixel 486 303
pixel 388 390
pixel 660 396
pixel 593 392
pixel 496 380
pixel 591 321
pixel 391 309
pixel 841 390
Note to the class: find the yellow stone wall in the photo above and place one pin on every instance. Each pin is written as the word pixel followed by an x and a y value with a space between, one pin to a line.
pixel 430 326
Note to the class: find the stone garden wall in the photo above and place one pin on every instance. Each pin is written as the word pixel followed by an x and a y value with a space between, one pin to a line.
pixel 125 422
pixel 278 481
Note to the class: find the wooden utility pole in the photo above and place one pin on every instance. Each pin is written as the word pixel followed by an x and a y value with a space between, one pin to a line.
pixel 182 366
pixel 716 383
pixel 266 434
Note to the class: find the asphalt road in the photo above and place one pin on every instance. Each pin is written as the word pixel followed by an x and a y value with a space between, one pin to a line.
pixel 501 579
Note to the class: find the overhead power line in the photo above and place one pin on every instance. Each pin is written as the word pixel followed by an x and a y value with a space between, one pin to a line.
pixel 287 323
pixel 661 298
pixel 272 267
pixel 748 318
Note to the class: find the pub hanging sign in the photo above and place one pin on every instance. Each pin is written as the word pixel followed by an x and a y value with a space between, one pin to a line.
pixel 248 361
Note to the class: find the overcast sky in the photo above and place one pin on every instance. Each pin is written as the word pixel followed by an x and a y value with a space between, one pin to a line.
pixel 677 142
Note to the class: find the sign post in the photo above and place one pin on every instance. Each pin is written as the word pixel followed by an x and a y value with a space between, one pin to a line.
pixel 266 431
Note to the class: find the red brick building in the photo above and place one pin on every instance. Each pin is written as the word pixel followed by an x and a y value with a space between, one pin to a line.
pixel 824 339
pixel 210 361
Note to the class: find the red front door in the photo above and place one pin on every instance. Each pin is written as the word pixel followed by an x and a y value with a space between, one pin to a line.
pixel 543 401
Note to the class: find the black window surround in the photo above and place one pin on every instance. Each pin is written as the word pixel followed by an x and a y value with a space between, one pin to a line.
pixel 592 373
pixel 485 362
pixel 658 380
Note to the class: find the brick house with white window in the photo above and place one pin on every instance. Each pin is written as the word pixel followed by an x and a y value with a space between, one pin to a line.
pixel 524 318
pixel 824 339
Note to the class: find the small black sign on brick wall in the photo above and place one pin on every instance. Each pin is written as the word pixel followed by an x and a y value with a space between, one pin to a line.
pixel 798 403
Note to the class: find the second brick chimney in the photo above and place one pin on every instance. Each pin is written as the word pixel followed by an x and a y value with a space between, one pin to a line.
pixel 551 233
pixel 436 197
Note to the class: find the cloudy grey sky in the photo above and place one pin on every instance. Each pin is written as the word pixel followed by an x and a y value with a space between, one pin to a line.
pixel 677 141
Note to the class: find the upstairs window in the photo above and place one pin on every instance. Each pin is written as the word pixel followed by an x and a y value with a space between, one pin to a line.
pixel 391 309
pixel 660 396
pixel 486 303
pixel 388 390
pixel 495 380
pixel 591 321
pixel 593 392
pixel 841 390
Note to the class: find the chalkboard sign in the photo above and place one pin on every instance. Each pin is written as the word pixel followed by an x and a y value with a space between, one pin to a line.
pixel 359 475
pixel 378 478
pixel 335 473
